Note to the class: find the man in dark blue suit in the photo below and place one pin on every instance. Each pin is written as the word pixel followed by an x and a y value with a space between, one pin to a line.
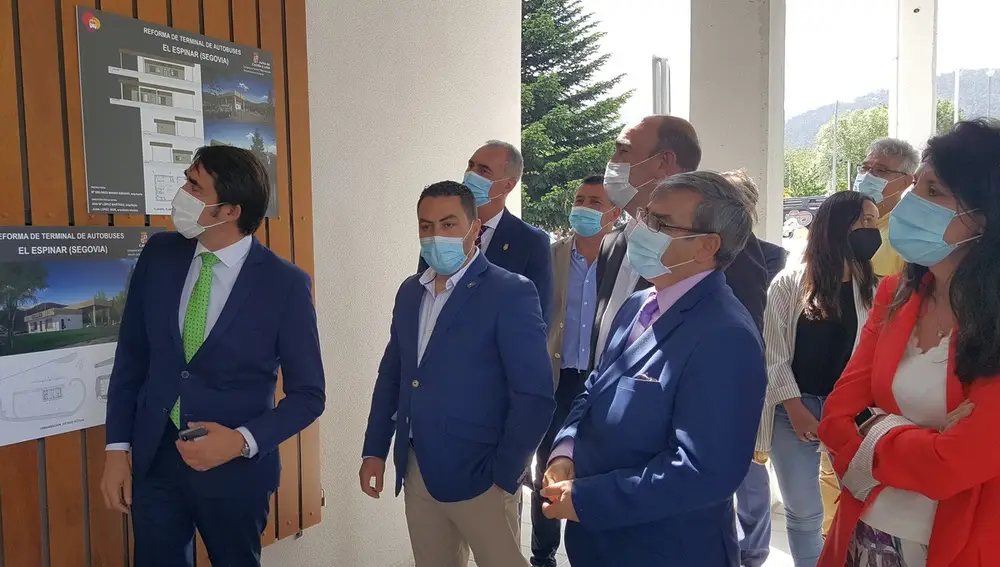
pixel 506 240
pixel 647 462
pixel 211 315
pixel 465 387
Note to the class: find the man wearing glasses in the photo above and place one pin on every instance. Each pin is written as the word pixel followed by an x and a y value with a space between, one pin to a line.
pixel 646 464
pixel 884 175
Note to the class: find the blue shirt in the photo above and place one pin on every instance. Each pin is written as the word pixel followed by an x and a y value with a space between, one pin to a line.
pixel 581 305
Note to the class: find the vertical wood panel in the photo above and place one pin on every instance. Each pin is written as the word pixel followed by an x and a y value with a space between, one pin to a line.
pixel 49 192
pixel 20 504
pixel 302 221
pixel 107 527
pixel 12 203
pixel 279 232
pixel 186 15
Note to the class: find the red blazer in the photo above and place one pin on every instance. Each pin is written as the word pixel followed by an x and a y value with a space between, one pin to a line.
pixel 959 468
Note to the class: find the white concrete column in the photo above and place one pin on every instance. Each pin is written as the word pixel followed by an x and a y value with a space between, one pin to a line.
pixel 738 92
pixel 400 95
pixel 913 90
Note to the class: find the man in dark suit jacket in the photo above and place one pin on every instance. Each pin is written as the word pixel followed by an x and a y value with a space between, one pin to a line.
pixel 507 241
pixel 646 154
pixel 465 387
pixel 211 315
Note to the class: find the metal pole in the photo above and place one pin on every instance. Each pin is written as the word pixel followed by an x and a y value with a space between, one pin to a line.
pixel 661 85
pixel 958 76
pixel 833 162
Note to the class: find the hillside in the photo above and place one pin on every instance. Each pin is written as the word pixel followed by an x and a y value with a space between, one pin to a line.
pixel 800 131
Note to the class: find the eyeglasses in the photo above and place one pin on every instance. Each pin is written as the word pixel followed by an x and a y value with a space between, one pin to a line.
pixel 879 171
pixel 656 223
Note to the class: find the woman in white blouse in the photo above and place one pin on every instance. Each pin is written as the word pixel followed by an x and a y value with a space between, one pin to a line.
pixel 811 323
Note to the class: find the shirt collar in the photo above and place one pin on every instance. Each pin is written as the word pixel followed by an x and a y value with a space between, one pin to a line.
pixel 230 255
pixel 493 222
pixel 427 278
pixel 667 297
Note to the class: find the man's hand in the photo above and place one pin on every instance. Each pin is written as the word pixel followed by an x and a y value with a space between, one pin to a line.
pixel 116 482
pixel 218 447
pixel 963 411
pixel 560 501
pixel 372 468
pixel 562 468
pixel 803 421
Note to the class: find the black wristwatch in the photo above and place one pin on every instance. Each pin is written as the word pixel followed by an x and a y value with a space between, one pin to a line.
pixel 863 417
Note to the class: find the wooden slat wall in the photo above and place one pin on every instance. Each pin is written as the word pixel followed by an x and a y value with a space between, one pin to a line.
pixel 51 510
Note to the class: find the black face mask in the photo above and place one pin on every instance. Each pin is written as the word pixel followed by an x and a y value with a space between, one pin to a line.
pixel 864 242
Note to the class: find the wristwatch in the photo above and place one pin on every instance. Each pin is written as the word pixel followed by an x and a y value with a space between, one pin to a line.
pixel 245 453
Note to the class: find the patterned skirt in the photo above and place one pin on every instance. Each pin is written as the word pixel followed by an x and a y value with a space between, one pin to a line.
pixel 872 548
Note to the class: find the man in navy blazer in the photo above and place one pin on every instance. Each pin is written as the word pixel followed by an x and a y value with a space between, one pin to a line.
pixel 211 314
pixel 465 387
pixel 506 240
pixel 647 462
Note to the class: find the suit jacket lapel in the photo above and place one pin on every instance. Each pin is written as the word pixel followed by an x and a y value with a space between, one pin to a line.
pixel 463 290
pixel 408 322
pixel 609 261
pixel 177 276
pixel 500 242
pixel 246 282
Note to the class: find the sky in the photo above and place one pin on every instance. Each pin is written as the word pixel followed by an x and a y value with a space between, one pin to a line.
pixel 73 281
pixel 834 48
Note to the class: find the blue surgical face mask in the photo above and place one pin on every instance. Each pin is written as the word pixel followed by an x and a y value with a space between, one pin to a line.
pixel 480 187
pixel 646 248
pixel 585 221
pixel 917 227
pixel 444 254
pixel 870 186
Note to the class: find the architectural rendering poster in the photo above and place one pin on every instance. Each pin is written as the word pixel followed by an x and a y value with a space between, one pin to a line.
pixel 152 95
pixel 62 294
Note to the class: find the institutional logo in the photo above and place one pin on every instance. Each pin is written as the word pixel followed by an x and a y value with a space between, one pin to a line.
pixel 91 22
pixel 143 237
pixel 256 58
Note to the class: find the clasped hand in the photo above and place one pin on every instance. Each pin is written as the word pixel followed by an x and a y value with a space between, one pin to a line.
pixel 557 489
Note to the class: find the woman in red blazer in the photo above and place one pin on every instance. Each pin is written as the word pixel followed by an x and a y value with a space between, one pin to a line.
pixel 913 423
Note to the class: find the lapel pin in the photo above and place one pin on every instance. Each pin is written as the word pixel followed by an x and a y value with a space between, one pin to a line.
pixel 505 247
pixel 471 285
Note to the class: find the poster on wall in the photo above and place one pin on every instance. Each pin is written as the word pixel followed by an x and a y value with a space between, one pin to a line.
pixel 152 95
pixel 62 295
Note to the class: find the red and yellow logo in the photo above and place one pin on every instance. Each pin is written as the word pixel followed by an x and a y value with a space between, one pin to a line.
pixel 90 22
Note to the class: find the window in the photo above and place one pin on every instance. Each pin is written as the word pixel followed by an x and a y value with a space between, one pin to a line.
pixel 183 156
pixel 164 70
pixel 152 96
pixel 166 127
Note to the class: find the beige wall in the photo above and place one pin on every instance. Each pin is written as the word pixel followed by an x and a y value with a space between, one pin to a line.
pixel 401 93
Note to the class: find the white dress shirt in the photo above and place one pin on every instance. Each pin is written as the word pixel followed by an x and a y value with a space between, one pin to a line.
pixel 491 227
pixel 224 274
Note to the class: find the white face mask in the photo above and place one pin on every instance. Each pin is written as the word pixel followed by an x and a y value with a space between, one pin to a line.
pixel 617 182
pixel 186 210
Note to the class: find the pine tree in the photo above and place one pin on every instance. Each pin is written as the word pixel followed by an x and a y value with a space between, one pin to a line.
pixel 569 120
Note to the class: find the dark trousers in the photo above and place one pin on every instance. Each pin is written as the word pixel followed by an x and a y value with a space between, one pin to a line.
pixel 545 533
pixel 753 512
pixel 166 511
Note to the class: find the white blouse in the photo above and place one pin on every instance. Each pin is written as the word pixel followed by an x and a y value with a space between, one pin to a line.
pixel 920 389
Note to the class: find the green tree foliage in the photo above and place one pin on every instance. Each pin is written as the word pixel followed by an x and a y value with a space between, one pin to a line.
pixel 20 283
pixel 808 172
pixel 801 176
pixel 569 120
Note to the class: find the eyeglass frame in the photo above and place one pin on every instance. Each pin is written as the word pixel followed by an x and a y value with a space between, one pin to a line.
pixel 644 215
pixel 878 170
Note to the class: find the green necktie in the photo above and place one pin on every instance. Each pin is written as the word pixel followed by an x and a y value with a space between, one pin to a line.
pixel 195 318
